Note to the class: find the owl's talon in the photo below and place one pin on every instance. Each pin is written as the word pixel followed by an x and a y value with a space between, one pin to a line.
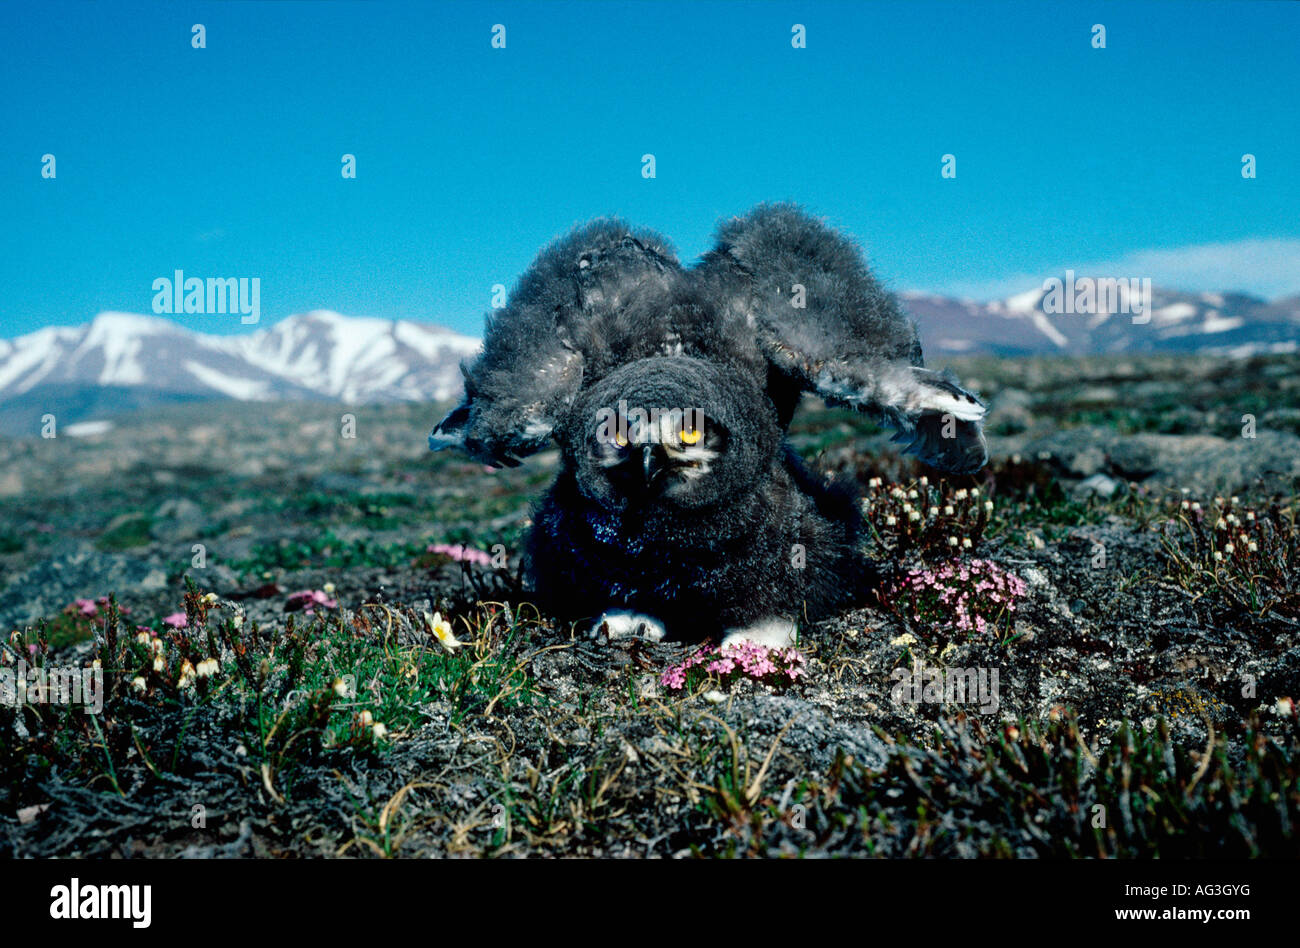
pixel 772 633
pixel 619 624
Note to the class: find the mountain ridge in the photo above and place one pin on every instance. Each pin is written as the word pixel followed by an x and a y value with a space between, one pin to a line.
pixel 126 361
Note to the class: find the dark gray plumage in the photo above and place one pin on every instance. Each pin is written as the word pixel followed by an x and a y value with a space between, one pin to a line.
pixel 781 306
pixel 849 343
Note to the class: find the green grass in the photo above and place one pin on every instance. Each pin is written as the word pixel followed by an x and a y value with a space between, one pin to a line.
pixel 327 550
pixel 133 531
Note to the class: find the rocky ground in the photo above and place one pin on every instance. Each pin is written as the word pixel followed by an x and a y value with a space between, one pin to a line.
pixel 1144 679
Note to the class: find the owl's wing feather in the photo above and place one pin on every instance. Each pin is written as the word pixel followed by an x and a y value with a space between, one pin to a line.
pixel 535 349
pixel 827 326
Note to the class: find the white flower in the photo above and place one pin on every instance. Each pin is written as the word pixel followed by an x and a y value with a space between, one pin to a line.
pixel 891 521
pixel 952 541
pixel 988 505
pixel 187 675
pixel 379 731
pixel 328 589
pixel 947 511
pixel 237 620
pixel 1222 524
pixel 1250 515
pixel 210 598
pixel 366 718
pixel 1285 706
pixel 159 665
pixel 961 494
pixel 924 481
pixel 1228 548
pixel 914 515
pixel 207 668
pixel 340 687
pixel 1218 556
pixel 142 637
pixel 441 630
pixel 934 511
pixel 912 494
pixel 158 646
pixel 1253 546
pixel 139 684
pixel 965 543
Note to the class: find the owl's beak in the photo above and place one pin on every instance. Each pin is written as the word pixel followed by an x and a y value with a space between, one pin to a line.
pixel 652 462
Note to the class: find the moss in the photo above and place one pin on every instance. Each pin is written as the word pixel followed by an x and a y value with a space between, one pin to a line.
pixel 127 533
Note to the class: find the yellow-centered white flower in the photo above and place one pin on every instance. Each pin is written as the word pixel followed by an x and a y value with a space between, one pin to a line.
pixel 441 630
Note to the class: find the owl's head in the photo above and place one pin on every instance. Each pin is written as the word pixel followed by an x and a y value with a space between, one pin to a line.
pixel 671 431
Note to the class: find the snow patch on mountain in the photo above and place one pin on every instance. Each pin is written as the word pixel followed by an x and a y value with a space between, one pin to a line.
pixel 320 354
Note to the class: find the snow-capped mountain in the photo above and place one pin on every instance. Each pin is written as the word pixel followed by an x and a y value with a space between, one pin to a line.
pixel 321 354
pixel 1031 323
pixel 121 360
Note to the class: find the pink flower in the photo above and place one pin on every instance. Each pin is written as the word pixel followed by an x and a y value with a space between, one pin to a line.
pixel 176 620
pixel 462 554
pixel 87 607
pixel 307 600
pixel 741 660
pixel 974 596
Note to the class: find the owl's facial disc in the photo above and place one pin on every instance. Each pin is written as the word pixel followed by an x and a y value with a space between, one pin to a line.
pixel 655 453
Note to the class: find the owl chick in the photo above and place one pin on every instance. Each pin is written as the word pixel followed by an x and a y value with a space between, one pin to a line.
pixel 679 510
pixel 781 296
pixel 652 530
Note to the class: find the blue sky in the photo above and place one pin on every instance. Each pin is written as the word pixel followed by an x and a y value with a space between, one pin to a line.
pixel 225 161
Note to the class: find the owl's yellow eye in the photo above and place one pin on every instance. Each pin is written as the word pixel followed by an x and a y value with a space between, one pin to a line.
pixel 691 436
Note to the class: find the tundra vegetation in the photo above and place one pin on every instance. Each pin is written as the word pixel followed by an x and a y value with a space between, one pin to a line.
pixel 314 645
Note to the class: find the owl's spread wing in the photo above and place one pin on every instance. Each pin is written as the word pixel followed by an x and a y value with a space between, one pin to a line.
pixel 535 349
pixel 827 326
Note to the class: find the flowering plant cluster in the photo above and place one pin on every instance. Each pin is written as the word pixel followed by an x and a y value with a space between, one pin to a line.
pixel 461 554
pixel 740 660
pixel 78 620
pixel 931 520
pixel 1249 555
pixel 174 661
pixel 959 597
pixel 308 599
pixel 89 608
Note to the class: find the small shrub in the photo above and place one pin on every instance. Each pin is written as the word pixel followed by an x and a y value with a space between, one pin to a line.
pixel 932 521
pixel 1248 557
